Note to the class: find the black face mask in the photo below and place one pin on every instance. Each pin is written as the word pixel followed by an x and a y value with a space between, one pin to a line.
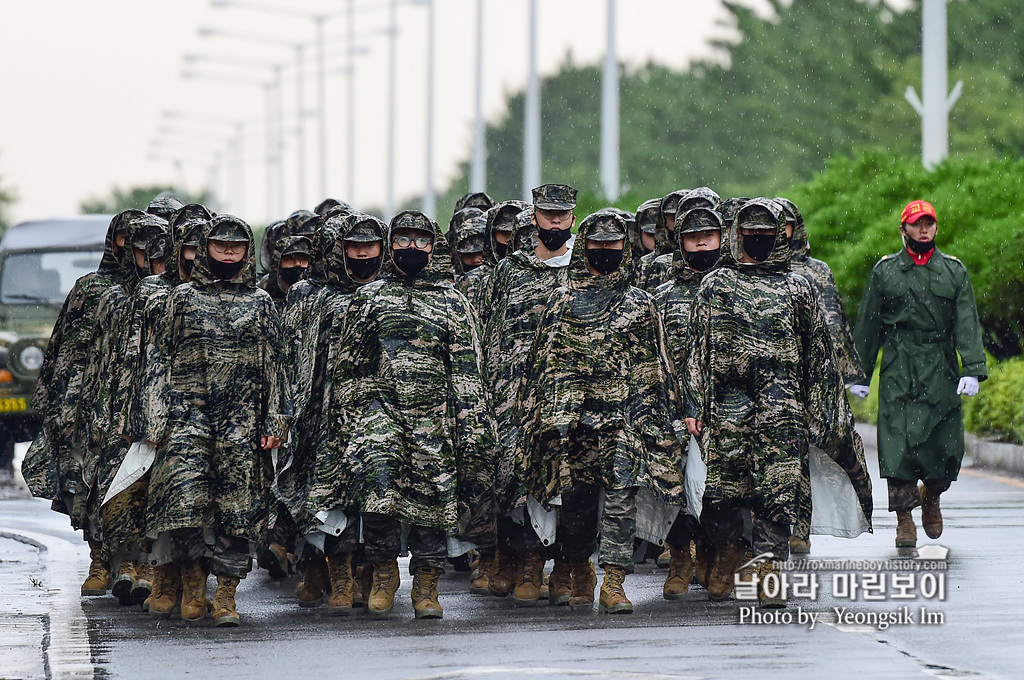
pixel 759 247
pixel 553 239
pixel 186 266
pixel 291 275
pixel 410 261
pixel 365 269
pixel 702 260
pixel 919 247
pixel 604 260
pixel 222 271
pixel 469 267
pixel 500 250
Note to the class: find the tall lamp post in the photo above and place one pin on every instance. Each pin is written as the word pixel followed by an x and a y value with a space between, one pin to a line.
pixel 610 114
pixel 531 122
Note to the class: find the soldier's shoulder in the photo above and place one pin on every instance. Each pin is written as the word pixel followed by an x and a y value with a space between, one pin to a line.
pixel 953 261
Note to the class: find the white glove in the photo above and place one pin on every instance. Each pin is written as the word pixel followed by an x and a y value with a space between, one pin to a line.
pixel 968 386
pixel 861 391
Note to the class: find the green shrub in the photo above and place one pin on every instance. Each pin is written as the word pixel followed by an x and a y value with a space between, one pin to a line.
pixel 998 408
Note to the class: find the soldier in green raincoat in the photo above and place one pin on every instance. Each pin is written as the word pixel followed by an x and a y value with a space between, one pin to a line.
pixel 53 464
pixel 421 429
pixel 223 405
pixel 760 385
pixel 919 308
pixel 599 412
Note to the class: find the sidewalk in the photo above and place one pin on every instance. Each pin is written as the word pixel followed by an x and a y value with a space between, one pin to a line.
pixel 24 624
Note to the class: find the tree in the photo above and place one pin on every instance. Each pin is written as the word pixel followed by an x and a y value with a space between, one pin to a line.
pixel 137 197
pixel 7 199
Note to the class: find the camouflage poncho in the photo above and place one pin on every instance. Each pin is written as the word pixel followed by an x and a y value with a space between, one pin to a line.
pixel 597 404
pixel 820 277
pixel 111 382
pixel 421 430
pixel 320 477
pixel 222 387
pixel 761 376
pixel 518 290
pixel 476 284
pixel 52 466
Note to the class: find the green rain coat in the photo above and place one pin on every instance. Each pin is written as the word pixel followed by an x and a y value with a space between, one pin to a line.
pixel 921 316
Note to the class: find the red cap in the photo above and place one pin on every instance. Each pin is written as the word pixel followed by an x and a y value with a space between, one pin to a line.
pixel 915 210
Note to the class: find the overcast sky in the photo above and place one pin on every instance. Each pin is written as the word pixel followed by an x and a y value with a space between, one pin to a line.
pixel 84 84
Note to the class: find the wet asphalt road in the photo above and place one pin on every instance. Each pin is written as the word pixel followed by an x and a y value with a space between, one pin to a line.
pixel 483 637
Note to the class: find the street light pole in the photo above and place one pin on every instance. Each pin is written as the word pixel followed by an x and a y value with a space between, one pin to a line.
pixel 429 195
pixel 321 102
pixel 389 204
pixel 350 142
pixel 610 114
pixel 300 122
pixel 531 123
pixel 478 172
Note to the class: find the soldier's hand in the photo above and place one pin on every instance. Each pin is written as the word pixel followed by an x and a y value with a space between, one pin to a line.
pixel 693 426
pixel 268 443
pixel 968 386
pixel 861 391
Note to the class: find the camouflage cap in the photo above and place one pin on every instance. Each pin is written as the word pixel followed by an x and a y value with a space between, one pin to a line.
pixel 475 199
pixel 471 244
pixel 627 217
pixel 307 226
pixel 731 206
pixel 159 246
pixel 670 203
pixel 760 214
pixel 365 230
pixel 462 215
pixel 228 229
pixel 297 245
pixel 792 212
pixel 647 215
pixel 604 226
pixel 164 205
pixel 410 219
pixel 701 197
pixel 554 197
pixel 470 236
pixel 190 213
pixel 329 203
pixel 699 219
pixel 194 235
pixel 503 216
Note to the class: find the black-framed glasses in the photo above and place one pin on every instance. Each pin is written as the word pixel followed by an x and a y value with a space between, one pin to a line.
pixel 421 242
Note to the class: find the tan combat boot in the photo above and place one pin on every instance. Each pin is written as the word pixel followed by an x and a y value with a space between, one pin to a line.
pixel 613 598
pixel 722 577
pixel 363 575
pixel 529 581
pixel 770 594
pixel 680 572
pixel 224 612
pixel 584 580
pixel 746 573
pixel 664 559
pixel 193 591
pixel 424 593
pixel 277 560
pixel 343 586
pixel 123 584
pixel 799 546
pixel 503 573
pixel 166 590
pixel 313 584
pixel 906 530
pixel 143 584
pixel 931 515
pixel 481 580
pixel 386 578
pixel 560 583
pixel 98 580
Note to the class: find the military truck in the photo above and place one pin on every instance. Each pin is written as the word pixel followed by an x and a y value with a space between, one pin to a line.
pixel 39 262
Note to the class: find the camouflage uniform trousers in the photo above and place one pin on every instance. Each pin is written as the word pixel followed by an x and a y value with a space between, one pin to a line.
pixel 579 527
pixel 382 541
pixel 724 523
pixel 903 495
pixel 123 521
pixel 230 554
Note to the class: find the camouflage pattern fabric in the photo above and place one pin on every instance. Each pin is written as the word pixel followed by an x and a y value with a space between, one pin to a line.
pixel 223 387
pixel 322 474
pixel 761 376
pixel 111 381
pixel 596 401
pixel 52 466
pixel 518 290
pixel 820 277
pixel 421 430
